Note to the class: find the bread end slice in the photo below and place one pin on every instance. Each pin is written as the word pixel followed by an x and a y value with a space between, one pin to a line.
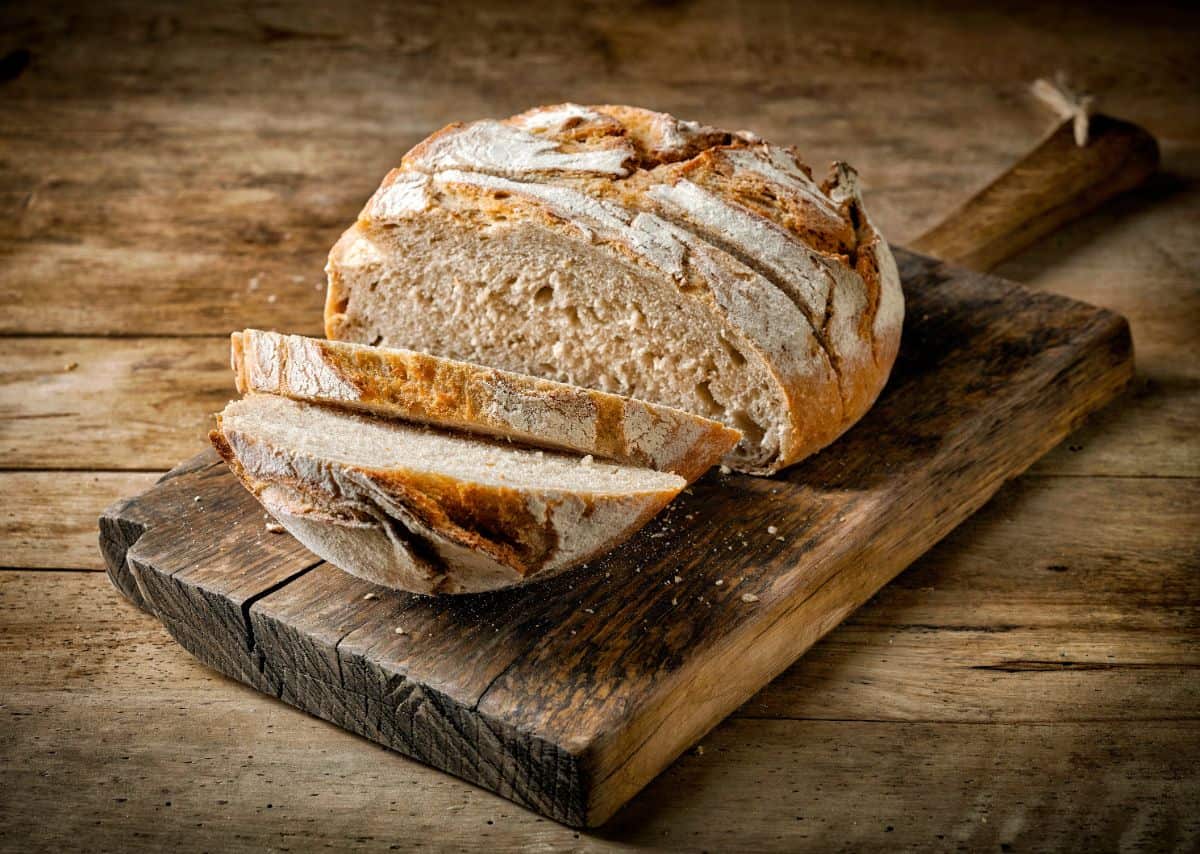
pixel 403 507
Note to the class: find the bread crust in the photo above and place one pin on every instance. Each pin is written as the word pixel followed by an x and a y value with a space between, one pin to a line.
pixel 427 532
pixel 736 208
pixel 473 398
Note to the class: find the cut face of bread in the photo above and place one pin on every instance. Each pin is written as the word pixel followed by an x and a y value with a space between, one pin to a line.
pixel 427 511
pixel 626 250
pixel 431 390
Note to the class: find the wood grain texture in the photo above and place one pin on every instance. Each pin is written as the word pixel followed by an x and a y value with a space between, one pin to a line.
pixel 1055 183
pixel 760 786
pixel 985 579
pixel 1034 609
pixel 571 696
pixel 141 403
pixel 1144 237
pixel 53 524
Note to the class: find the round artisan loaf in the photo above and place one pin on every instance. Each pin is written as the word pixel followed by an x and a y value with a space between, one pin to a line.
pixel 625 250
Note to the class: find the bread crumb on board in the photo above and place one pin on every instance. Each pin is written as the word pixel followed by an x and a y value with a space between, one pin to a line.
pixel 274 527
pixel 400 631
pixel 70 366
pixel 371 596
pixel 726 469
pixel 749 598
pixel 772 530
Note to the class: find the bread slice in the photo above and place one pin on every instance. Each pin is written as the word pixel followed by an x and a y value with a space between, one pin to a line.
pixel 626 250
pixel 444 392
pixel 427 511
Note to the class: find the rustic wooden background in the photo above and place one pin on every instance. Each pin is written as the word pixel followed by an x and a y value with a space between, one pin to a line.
pixel 169 173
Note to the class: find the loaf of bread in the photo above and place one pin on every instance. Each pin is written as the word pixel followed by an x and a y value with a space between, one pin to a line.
pixel 431 390
pixel 625 250
pixel 431 511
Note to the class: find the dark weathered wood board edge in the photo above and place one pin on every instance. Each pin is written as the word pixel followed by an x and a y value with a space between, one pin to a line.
pixel 446 729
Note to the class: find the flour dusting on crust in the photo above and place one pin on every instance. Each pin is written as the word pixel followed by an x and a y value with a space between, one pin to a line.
pixel 499 149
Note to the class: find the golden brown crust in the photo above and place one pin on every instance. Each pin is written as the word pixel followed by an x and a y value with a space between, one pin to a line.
pixel 237 361
pixel 816 226
pixel 336 296
pixel 224 449
pixel 490 520
pixel 661 138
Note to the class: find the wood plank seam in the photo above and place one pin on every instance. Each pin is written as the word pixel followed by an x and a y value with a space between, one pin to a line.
pixel 337 646
pixel 17 568
pixel 249 602
pixel 1028 665
pixel 77 470
pixel 1102 476
pixel 142 573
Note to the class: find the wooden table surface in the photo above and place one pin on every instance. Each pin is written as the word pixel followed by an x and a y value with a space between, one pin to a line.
pixel 170 174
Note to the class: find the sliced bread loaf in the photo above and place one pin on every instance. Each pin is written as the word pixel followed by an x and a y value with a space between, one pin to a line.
pixel 428 389
pixel 427 511
pixel 625 250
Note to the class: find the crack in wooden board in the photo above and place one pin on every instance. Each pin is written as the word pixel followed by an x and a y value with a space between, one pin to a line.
pixel 569 696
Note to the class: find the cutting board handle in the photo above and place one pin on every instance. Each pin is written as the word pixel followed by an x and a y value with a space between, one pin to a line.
pixel 1055 183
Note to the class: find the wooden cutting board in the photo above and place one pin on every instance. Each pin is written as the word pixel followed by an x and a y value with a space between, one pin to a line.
pixel 569 696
